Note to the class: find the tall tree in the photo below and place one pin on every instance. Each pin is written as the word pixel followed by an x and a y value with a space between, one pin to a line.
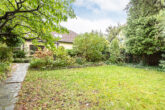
pixel 144 33
pixel 33 18
pixel 112 32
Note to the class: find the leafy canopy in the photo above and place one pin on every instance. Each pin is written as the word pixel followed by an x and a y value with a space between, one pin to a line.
pixel 144 30
pixel 92 46
pixel 34 19
pixel 113 32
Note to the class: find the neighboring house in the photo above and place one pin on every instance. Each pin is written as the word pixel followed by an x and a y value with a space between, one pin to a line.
pixel 66 41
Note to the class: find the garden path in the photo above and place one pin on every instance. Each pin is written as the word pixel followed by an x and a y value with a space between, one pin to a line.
pixel 10 88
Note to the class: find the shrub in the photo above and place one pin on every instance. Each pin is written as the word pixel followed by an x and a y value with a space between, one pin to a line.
pixel 39 63
pixel 22 60
pixel 115 53
pixel 80 60
pixel 62 58
pixel 71 52
pixel 63 62
pixel 19 54
pixel 46 60
pixel 4 67
pixel 43 54
pixel 162 62
pixel 6 54
pixel 92 46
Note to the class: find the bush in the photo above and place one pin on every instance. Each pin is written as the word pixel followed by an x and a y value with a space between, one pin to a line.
pixel 22 60
pixel 115 53
pixel 19 54
pixel 63 62
pixel 71 52
pixel 6 54
pixel 60 59
pixel 43 54
pixel 39 63
pixel 3 69
pixel 50 63
pixel 162 62
pixel 80 60
pixel 91 46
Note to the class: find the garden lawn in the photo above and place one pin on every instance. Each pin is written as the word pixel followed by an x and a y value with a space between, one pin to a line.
pixel 93 88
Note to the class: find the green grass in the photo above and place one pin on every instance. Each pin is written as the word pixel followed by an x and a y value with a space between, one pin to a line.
pixel 94 88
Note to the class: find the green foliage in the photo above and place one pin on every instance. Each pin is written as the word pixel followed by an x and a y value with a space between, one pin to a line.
pixel 115 52
pixel 143 8
pixel 12 40
pixel 144 31
pixel 19 54
pixel 94 88
pixel 162 62
pixel 22 60
pixel 71 52
pixel 40 63
pixel 6 55
pixel 80 60
pixel 113 31
pixel 91 46
pixel 3 68
pixel 61 59
pixel 144 37
pixel 63 62
pixel 34 19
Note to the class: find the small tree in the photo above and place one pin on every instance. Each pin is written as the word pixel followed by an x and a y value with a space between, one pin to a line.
pixel 115 52
pixel 113 32
pixel 92 46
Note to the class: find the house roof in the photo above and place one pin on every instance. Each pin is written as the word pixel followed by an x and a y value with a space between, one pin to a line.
pixel 68 37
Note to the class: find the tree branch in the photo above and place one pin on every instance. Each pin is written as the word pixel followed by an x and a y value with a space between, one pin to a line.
pixel 10 13
pixel 11 4
pixel 3 24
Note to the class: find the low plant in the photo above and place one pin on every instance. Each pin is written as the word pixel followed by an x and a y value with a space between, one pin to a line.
pixel 22 60
pixel 19 54
pixel 162 62
pixel 3 69
pixel 62 58
pixel 71 52
pixel 80 60
pixel 6 55
pixel 50 60
pixel 41 63
pixel 43 54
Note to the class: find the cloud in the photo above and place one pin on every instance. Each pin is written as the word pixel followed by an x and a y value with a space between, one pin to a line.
pixel 81 25
pixel 106 5
pixel 96 15
pixel 111 5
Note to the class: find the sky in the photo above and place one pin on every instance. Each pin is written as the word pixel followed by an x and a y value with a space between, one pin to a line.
pixel 96 15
